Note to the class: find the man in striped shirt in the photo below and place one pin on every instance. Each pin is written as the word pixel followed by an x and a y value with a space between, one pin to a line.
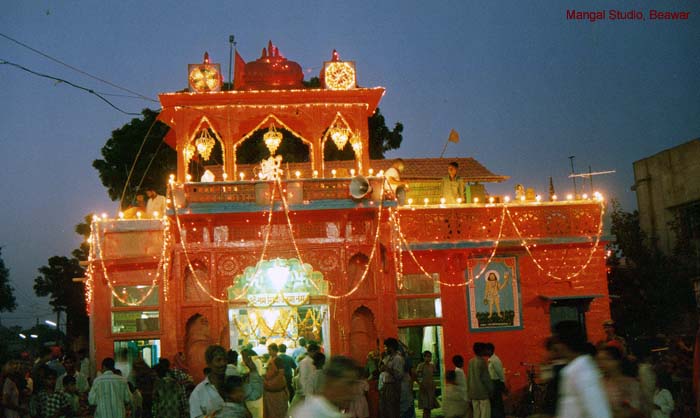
pixel 110 393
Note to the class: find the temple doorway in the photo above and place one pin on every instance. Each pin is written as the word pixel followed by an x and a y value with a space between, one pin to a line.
pixel 278 301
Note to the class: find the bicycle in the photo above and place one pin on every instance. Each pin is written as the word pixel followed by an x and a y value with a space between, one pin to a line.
pixel 533 395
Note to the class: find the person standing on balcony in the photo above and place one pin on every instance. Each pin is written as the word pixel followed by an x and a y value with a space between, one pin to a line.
pixel 452 186
pixel 393 179
pixel 156 203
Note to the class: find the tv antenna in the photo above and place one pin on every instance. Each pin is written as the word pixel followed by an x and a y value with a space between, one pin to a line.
pixel 588 175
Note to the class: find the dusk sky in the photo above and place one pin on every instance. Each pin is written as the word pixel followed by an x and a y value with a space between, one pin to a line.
pixel 524 87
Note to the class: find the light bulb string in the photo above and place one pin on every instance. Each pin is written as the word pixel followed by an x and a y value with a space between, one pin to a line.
pixel 371 254
pixel 98 246
pixel 198 282
pixel 598 236
pixel 296 247
pixel 404 243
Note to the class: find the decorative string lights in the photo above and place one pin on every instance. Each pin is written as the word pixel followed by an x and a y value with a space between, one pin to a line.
pixel 398 241
pixel 189 262
pixel 403 242
pixel 96 252
pixel 583 267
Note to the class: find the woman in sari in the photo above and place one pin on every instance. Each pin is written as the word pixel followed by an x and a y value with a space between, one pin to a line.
pixel 275 397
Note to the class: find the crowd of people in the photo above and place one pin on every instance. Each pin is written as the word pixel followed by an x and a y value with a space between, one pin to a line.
pixel 585 380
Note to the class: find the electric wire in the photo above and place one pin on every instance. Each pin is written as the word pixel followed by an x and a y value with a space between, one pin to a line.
pixel 45 55
pixel 61 80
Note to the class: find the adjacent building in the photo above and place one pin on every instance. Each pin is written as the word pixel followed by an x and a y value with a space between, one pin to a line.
pixel 668 194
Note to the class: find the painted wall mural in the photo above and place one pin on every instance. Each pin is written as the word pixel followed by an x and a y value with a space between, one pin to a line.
pixel 494 294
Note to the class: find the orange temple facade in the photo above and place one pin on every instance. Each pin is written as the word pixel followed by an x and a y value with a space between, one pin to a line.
pixel 239 259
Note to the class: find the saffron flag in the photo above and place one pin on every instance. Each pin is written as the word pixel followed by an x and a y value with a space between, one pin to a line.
pixel 238 72
pixel 454 136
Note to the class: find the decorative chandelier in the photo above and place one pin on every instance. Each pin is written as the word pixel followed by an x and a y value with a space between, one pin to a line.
pixel 188 152
pixel 356 143
pixel 272 138
pixel 204 143
pixel 339 135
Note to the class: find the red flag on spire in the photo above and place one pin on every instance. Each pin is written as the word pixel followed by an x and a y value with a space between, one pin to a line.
pixel 238 72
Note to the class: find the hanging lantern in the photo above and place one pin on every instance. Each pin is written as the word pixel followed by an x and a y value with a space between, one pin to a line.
pixel 188 152
pixel 356 144
pixel 339 135
pixel 272 139
pixel 204 143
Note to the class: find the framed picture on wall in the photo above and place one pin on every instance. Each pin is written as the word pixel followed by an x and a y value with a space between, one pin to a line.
pixel 493 294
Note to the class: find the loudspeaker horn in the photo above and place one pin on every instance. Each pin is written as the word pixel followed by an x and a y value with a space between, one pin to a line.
pixel 359 187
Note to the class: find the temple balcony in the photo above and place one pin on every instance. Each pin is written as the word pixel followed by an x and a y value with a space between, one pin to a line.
pixel 210 220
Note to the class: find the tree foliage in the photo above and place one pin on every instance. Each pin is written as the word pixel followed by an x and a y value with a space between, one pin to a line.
pixel 7 297
pixel 381 138
pixel 652 292
pixel 153 165
pixel 65 295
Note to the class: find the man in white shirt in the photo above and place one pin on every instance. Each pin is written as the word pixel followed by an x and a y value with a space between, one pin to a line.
pixel 498 378
pixel 394 182
pixel 110 392
pixel 156 205
pixel 461 383
pixel 341 378
pixel 581 393
pixel 205 398
pixel 81 381
pixel 307 369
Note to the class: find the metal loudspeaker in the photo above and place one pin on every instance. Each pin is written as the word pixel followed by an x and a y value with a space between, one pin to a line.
pixel 359 187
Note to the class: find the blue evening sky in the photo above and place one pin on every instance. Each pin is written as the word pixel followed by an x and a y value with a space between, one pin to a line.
pixel 524 87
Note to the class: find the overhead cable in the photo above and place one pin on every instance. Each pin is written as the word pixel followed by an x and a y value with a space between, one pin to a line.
pixel 76 69
pixel 69 83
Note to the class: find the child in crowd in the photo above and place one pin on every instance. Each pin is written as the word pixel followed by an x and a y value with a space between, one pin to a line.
pixel 663 400
pixel 453 404
pixel 234 399
pixel 359 407
pixel 48 402
pixel 70 392
pixel 136 401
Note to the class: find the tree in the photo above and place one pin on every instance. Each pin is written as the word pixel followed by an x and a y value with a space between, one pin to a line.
pixel 153 165
pixel 651 291
pixel 7 297
pixel 381 139
pixel 56 281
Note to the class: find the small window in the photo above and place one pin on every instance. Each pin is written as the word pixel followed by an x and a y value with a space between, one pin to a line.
pixel 135 321
pixel 134 294
pixel 415 284
pixel 418 297
pixel 419 308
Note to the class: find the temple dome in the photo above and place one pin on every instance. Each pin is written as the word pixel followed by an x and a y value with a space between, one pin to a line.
pixel 272 71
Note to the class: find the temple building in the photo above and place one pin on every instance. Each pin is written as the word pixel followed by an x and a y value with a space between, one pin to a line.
pixel 274 250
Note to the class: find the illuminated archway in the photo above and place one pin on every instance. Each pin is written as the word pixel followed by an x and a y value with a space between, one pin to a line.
pixel 280 300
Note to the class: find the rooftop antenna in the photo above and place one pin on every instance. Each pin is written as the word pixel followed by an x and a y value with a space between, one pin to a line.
pixel 232 44
pixel 589 175
pixel 571 158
